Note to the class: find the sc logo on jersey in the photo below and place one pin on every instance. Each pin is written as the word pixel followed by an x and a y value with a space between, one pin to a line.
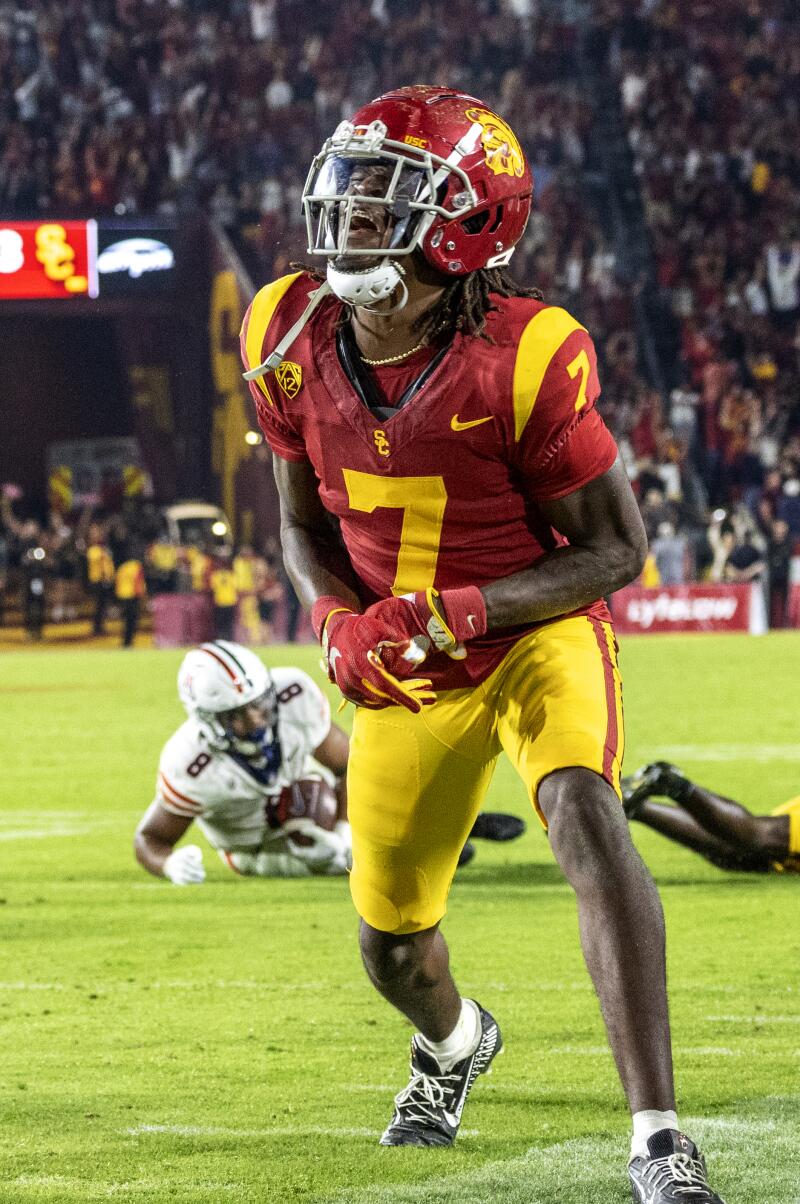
pixel 381 442
pixel 290 377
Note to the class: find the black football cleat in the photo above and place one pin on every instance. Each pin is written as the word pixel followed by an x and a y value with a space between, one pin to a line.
pixel 428 1111
pixel 674 1172
pixel 466 854
pixel 658 778
pixel 497 825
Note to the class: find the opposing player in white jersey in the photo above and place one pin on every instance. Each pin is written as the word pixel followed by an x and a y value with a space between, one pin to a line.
pixel 250 734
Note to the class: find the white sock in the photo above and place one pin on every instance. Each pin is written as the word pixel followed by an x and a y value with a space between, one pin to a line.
pixel 462 1041
pixel 645 1124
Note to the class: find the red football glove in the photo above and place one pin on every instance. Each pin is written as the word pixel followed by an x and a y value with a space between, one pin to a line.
pixel 416 624
pixel 350 643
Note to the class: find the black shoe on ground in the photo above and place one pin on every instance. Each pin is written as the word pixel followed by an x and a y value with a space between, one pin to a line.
pixel 673 1173
pixel 466 854
pixel 428 1111
pixel 659 778
pixel 497 825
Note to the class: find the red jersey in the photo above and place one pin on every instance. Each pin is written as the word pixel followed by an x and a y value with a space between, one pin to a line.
pixel 446 491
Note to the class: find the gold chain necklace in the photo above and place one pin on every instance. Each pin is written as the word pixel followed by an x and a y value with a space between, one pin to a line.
pixel 395 359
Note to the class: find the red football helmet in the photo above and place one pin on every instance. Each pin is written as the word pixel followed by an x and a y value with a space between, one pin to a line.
pixel 446 174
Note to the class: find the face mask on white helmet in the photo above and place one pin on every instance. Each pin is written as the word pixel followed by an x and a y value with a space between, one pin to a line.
pixel 217 680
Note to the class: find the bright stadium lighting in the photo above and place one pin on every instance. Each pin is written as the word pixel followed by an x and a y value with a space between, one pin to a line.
pixel 253 438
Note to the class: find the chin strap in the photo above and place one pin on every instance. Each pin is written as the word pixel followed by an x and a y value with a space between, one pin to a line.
pixel 369 286
pixel 276 357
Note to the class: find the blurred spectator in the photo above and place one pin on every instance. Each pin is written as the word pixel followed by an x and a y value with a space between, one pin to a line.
pixel 161 567
pixel 130 590
pixel 37 570
pixel 224 594
pixel 745 561
pixel 99 576
pixel 779 555
pixel 200 565
pixel 270 592
pixel 669 551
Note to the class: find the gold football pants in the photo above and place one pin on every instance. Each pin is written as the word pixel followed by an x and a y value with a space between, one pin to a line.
pixel 416 782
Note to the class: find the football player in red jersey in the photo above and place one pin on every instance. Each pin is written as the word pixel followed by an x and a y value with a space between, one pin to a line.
pixel 453 513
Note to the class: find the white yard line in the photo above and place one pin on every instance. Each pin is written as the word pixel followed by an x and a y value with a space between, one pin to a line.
pixel 762 753
pixel 754 1018
pixel 275 1131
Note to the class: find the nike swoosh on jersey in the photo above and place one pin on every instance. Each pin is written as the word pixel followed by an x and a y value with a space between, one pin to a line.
pixel 455 425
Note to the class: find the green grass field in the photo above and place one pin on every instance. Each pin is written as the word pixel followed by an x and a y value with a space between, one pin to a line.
pixel 221 1043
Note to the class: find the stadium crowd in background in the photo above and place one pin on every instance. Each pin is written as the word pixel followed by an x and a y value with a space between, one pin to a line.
pixel 89 565
pixel 710 101
pixel 122 108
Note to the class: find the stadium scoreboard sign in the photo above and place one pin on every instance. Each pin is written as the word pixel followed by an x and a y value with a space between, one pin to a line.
pixel 45 260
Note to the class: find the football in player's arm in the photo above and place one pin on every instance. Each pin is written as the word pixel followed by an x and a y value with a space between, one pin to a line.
pixel 232 767
pixel 453 512
pixel 250 734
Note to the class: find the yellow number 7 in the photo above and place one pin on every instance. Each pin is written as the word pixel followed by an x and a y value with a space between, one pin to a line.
pixel 423 501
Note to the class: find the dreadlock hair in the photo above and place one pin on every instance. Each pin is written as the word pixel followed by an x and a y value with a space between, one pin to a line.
pixel 466 302
pixel 463 306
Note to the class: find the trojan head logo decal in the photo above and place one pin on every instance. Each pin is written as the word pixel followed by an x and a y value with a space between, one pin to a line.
pixel 502 151
pixel 290 377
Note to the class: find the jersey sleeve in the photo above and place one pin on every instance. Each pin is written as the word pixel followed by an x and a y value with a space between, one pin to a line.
pixel 179 786
pixel 563 443
pixel 278 431
pixel 305 706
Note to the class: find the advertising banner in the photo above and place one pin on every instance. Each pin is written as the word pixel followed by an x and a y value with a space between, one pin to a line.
pixel 682 608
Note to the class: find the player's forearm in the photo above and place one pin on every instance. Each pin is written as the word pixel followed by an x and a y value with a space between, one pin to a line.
pixel 317 565
pixel 151 853
pixel 564 580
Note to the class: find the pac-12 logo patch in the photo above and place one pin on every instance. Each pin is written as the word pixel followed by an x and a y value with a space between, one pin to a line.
pixel 503 153
pixel 290 377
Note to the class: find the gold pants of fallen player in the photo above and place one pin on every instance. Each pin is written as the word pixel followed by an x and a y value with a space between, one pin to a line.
pixel 416 782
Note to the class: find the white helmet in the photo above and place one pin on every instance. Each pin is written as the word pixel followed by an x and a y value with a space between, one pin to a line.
pixel 220 677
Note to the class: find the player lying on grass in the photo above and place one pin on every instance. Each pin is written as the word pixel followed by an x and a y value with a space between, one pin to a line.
pixel 721 830
pixel 252 734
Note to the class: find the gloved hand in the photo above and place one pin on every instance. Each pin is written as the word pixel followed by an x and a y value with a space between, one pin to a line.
pixel 184 866
pixel 416 624
pixel 328 852
pixel 351 645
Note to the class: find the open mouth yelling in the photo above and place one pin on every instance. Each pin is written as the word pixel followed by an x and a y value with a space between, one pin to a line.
pixel 368 225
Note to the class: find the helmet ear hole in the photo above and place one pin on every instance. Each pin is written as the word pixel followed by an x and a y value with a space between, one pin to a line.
pixel 498 218
pixel 476 223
